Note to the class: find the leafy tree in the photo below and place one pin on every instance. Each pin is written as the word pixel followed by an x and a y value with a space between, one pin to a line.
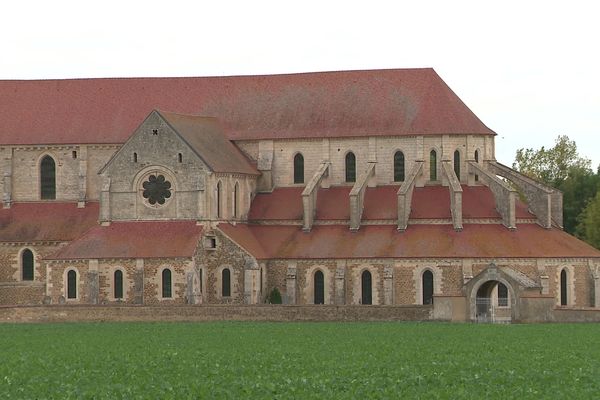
pixel 589 222
pixel 563 168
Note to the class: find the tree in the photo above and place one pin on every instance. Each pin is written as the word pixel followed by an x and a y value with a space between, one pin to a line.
pixel 589 222
pixel 552 166
pixel 563 168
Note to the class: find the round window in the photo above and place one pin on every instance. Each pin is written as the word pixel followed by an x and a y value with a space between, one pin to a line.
pixel 156 189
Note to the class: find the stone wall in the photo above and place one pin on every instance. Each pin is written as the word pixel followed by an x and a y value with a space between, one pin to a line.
pixel 214 313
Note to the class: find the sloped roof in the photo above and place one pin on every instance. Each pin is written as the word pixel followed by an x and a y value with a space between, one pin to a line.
pixel 380 203
pixel 418 241
pixel 139 239
pixel 321 104
pixel 206 137
pixel 46 221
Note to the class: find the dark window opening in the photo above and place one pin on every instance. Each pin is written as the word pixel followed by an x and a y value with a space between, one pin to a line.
pixel 155 131
pixel 118 281
pixel 219 200
pixel 298 168
pixel 27 265
pixel 74 154
pixel 319 288
pixel 261 280
pixel 156 189
pixel 502 295
pixel 71 285
pixel 166 283
pixel 135 158
pixel 433 166
pixel 48 178
pixel 563 288
pixel 180 157
pixel 226 283
pixel 427 287
pixel 350 167
pixel 477 161
pixel 399 167
pixel 235 200
pixel 457 164
pixel 366 292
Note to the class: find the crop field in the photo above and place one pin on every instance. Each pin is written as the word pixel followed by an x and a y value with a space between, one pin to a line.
pixel 235 360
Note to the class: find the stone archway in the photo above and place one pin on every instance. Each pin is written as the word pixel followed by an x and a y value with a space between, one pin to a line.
pixel 483 304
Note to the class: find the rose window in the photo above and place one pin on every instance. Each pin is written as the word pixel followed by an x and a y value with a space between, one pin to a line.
pixel 156 189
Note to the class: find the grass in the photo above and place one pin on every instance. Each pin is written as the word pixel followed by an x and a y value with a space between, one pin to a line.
pixel 298 360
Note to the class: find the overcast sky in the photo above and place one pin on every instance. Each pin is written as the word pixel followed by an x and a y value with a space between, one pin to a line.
pixel 530 70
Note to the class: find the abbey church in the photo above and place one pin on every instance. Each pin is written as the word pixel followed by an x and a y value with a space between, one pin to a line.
pixel 354 188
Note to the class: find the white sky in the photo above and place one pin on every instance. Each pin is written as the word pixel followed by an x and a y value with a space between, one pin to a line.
pixel 529 69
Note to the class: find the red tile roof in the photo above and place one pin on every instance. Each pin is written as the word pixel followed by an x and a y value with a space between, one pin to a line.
pixel 134 240
pixel 429 202
pixel 46 221
pixel 322 104
pixel 418 241
pixel 206 137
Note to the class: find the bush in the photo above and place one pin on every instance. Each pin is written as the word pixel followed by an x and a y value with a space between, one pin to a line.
pixel 274 297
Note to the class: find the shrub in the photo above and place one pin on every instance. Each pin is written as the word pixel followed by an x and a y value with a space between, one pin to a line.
pixel 274 297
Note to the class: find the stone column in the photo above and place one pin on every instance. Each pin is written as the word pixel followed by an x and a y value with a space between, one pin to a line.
pixel 388 285
pixel 93 283
pixel 138 282
pixel 290 280
pixel 340 284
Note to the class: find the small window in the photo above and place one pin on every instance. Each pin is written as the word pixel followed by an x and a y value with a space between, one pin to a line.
pixel 210 242
pixel 350 167
pixel 427 283
pixel 135 157
pixel 563 288
pixel 180 157
pixel 502 295
pixel 236 190
pixel 74 154
pixel 298 168
pixel 226 283
pixel 27 266
pixel 166 284
pixel 319 286
pixel 366 288
pixel 71 284
pixel 399 166
pixel 433 166
pixel 118 281
pixel 457 164
pixel 48 178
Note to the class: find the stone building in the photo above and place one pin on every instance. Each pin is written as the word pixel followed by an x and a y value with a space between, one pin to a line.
pixel 344 188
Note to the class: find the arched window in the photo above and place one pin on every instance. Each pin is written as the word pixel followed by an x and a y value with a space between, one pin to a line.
pixel 166 284
pixel 563 288
pixel 180 157
pixel 219 199
pixel 71 284
pixel 457 163
pixel 427 279
pixel 135 157
pixel 226 283
pixel 118 282
pixel 27 265
pixel 350 167
pixel 319 286
pixel 367 296
pixel 236 190
pixel 477 161
pixel 399 166
pixel 433 166
pixel 298 168
pixel 48 178
pixel 502 295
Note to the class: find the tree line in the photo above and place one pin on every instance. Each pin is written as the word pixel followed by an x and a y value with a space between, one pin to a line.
pixel 563 168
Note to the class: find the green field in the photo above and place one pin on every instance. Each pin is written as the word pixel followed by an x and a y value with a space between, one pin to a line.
pixel 298 360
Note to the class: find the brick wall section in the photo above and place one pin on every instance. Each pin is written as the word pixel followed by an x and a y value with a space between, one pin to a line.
pixel 22 293
pixel 153 269
pixel 106 273
pixel 57 281
pixel 215 313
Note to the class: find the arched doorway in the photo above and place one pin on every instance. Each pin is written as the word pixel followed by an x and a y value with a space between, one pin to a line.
pixel 493 303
